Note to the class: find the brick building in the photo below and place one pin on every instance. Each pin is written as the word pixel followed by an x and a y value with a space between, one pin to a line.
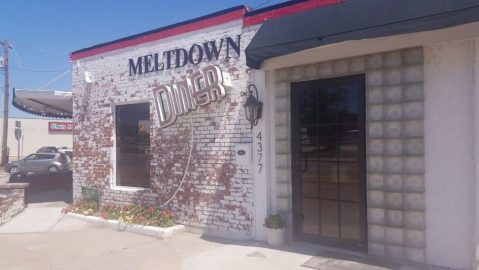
pixel 217 194
pixel 367 140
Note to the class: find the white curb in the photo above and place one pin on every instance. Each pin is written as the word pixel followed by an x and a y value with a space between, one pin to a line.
pixel 153 231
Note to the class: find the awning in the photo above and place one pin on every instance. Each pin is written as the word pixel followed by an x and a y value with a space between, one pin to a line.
pixel 45 103
pixel 355 20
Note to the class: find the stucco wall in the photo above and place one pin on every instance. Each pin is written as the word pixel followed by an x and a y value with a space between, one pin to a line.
pixel 449 118
pixel 35 135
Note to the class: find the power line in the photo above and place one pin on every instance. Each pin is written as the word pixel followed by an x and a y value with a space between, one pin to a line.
pixel 55 79
pixel 19 61
pixel 26 45
pixel 16 57
pixel 262 4
pixel 44 71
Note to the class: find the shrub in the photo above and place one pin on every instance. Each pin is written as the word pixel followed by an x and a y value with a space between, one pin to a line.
pixel 274 222
pixel 84 207
pixel 130 214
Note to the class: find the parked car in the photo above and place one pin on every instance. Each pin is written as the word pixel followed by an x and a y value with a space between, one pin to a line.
pixel 48 149
pixel 39 163
pixel 67 151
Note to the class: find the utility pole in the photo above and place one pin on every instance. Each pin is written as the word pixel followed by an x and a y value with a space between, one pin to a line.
pixel 5 104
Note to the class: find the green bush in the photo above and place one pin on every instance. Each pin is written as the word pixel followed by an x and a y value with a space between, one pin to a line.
pixel 85 207
pixel 130 214
pixel 274 222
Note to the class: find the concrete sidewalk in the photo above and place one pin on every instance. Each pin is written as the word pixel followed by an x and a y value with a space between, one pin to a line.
pixel 73 244
pixel 43 238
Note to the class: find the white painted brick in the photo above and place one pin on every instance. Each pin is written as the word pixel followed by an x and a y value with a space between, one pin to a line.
pixel 113 86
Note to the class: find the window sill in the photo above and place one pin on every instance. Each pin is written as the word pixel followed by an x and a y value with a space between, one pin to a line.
pixel 131 189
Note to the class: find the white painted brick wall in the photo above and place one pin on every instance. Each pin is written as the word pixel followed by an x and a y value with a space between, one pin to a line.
pixel 217 193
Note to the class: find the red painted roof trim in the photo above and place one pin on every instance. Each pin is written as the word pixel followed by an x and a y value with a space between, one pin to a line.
pixel 256 17
pixel 291 9
pixel 185 28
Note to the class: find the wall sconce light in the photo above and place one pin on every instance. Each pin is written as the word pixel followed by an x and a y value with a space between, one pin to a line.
pixel 87 77
pixel 252 107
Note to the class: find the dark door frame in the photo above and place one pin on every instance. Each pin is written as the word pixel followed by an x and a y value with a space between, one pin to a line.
pixel 297 160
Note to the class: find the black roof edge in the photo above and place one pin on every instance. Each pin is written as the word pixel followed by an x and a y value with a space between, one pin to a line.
pixel 47 115
pixel 164 28
pixel 268 8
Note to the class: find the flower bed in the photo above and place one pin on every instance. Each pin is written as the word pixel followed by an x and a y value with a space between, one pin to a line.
pixel 129 214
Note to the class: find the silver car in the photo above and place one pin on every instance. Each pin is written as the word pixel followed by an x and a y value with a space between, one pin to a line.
pixel 39 163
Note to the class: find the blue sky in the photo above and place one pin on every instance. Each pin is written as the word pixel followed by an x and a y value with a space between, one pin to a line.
pixel 43 33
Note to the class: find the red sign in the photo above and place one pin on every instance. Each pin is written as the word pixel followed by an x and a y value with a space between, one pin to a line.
pixel 60 126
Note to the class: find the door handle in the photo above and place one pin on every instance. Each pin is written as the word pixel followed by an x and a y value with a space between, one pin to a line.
pixel 300 165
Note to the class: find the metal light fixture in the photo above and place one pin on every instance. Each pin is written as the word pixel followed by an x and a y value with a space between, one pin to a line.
pixel 252 107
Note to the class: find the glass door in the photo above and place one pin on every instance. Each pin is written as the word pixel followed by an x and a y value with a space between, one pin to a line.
pixel 328 144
